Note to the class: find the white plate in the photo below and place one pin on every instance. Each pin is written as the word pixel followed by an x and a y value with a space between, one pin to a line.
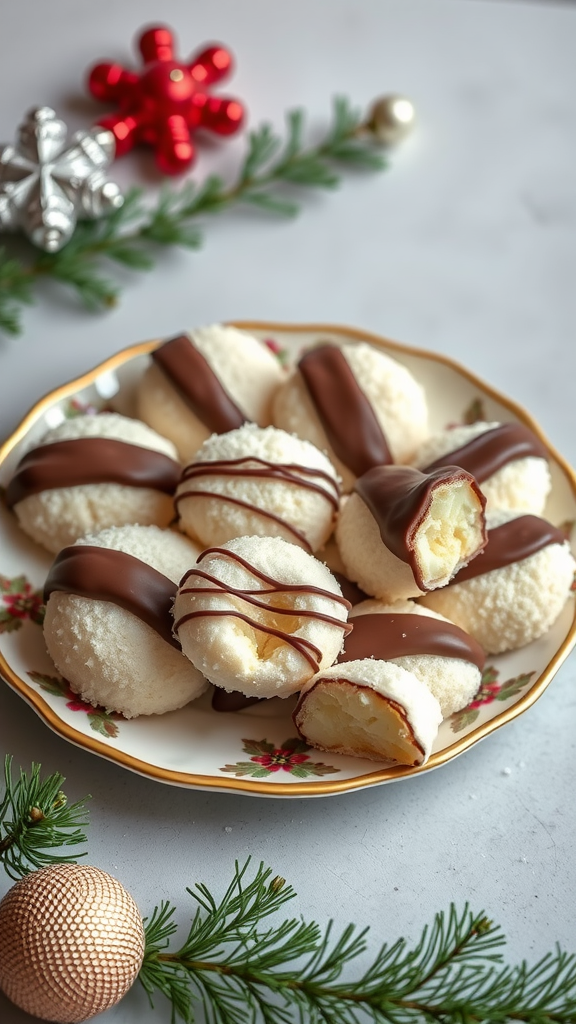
pixel 254 751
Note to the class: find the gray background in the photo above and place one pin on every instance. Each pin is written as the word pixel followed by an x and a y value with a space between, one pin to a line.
pixel 466 246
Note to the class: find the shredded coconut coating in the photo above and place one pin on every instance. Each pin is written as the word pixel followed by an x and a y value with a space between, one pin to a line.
pixel 237 656
pixel 213 521
pixel 452 681
pixel 521 486
pixel 112 658
pixel 398 401
pixel 346 709
pixel 245 367
pixel 58 517
pixel 509 607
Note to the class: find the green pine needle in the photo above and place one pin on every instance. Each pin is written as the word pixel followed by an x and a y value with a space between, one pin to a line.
pixel 35 818
pixel 134 235
pixel 241 972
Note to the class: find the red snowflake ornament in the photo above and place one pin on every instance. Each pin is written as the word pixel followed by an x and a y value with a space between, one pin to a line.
pixel 167 101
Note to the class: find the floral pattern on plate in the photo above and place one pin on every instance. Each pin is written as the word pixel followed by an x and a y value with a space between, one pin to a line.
pixel 267 759
pixel 19 601
pixel 101 721
pixel 490 690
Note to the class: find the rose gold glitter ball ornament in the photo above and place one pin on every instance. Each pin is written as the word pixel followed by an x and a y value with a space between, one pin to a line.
pixel 71 942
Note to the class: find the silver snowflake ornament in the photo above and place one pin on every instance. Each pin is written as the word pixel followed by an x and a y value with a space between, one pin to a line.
pixel 47 184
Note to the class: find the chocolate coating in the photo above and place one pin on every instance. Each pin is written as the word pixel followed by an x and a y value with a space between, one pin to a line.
pixel 350 590
pixel 194 379
pixel 104 574
pixel 344 410
pixel 234 701
pixel 387 635
pixel 490 451
pixel 511 542
pixel 399 498
pixel 91 460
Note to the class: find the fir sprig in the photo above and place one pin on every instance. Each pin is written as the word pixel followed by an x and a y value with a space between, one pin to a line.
pixel 242 973
pixel 35 818
pixel 133 235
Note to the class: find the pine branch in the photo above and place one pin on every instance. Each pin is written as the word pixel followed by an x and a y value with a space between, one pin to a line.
pixel 135 234
pixel 240 973
pixel 35 817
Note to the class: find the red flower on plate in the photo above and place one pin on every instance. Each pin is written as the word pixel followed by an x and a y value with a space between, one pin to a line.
pixel 490 690
pixel 280 759
pixel 100 720
pixel 267 759
pixel 18 602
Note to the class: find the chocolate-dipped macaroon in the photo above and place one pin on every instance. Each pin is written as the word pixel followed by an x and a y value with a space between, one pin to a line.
pixel 207 381
pixel 508 460
pixel 92 472
pixel 514 591
pixel 357 404
pixel 403 532
pixel 443 656
pixel 108 623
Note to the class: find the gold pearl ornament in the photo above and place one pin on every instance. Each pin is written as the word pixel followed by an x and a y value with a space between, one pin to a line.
pixel 71 943
pixel 391 119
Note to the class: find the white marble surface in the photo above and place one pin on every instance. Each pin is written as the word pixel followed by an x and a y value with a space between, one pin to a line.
pixel 466 246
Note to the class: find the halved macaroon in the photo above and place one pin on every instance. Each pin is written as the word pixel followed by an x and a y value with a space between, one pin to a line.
pixel 371 709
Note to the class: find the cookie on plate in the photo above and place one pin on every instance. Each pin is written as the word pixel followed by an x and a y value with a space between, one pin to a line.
pixel 258 481
pixel 440 654
pixel 403 532
pixel 371 709
pixel 260 616
pixel 508 460
pixel 515 590
pixel 108 623
pixel 356 403
pixel 92 472
pixel 208 381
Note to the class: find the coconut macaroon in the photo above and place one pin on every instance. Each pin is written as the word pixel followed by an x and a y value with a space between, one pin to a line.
pixel 403 532
pixel 108 624
pixel 507 459
pixel 515 590
pixel 91 472
pixel 356 403
pixel 208 381
pixel 370 709
pixel 439 653
pixel 258 481
pixel 260 616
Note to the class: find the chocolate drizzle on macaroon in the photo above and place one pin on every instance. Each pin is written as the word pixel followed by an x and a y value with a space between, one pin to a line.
pixel 399 499
pixel 509 543
pixel 251 467
pixel 388 635
pixel 346 414
pixel 493 449
pixel 105 574
pixel 91 460
pixel 194 379
pixel 306 648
